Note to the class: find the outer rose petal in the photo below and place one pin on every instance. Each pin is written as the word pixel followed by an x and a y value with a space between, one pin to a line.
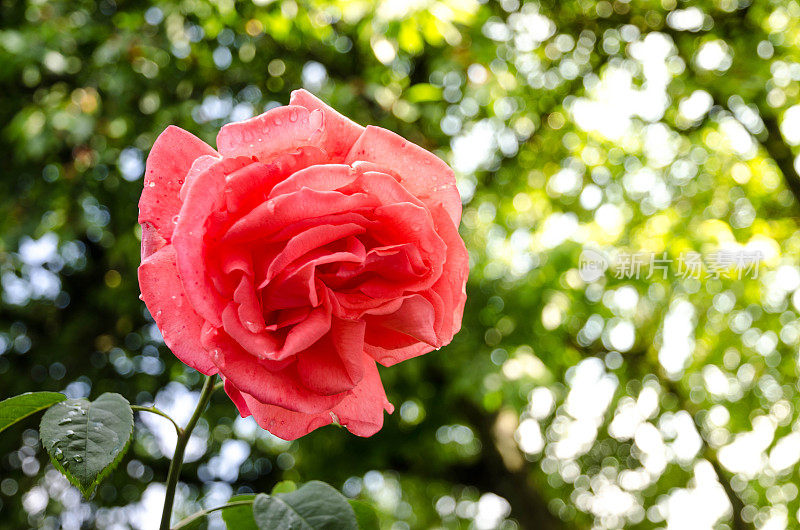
pixel 204 197
pixel 361 411
pixel 421 172
pixel 283 423
pixel 169 161
pixel 281 388
pixel 339 134
pixel 415 318
pixel 276 131
pixel 180 326
pixel 456 270
pixel 391 344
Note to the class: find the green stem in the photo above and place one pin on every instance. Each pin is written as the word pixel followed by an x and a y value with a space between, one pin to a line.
pixel 202 513
pixel 180 448
pixel 161 413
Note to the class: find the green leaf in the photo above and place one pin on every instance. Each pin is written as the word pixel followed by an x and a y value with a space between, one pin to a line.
pixel 86 440
pixel 284 486
pixel 314 506
pixel 239 517
pixel 365 515
pixel 20 407
pixel 422 92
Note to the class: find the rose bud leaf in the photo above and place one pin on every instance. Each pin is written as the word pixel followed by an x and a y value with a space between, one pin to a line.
pixel 87 439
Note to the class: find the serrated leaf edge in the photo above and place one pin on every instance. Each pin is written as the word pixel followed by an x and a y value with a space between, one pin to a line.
pixel 88 491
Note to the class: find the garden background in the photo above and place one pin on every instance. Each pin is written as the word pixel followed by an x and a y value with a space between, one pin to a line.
pixel 650 127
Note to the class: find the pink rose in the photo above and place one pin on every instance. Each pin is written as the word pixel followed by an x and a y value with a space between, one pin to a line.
pixel 296 256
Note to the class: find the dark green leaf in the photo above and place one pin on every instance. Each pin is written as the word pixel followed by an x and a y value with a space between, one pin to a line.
pixel 314 506
pixel 239 517
pixel 19 407
pixel 86 440
pixel 365 515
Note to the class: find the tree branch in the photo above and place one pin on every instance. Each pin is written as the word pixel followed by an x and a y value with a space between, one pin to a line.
pixel 529 508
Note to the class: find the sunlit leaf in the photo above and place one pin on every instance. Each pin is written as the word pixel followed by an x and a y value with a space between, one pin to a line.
pixel 20 407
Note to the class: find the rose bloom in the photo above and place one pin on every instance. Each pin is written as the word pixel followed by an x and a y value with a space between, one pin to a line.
pixel 302 251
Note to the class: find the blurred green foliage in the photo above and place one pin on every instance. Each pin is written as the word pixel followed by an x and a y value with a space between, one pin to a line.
pixel 646 126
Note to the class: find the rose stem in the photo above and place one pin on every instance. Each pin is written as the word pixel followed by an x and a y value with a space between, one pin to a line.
pixel 180 448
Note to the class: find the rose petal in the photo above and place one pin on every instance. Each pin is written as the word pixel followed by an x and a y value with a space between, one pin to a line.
pixel 285 210
pixel 298 285
pixel 180 326
pixel 422 173
pixel 292 289
pixel 204 197
pixel 451 286
pixel 198 166
pixel 323 177
pixel 304 334
pixel 415 318
pixel 390 347
pixel 383 186
pixel 259 344
pixel 248 187
pixel 249 311
pixel 282 388
pixel 334 363
pixel 447 298
pixel 305 242
pixel 167 165
pixel 361 411
pixel 339 133
pixel 283 423
pixel 276 131
pixel 245 191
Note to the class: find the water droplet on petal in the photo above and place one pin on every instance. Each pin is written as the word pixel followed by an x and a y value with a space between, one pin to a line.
pixel 175 219
pixel 151 185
